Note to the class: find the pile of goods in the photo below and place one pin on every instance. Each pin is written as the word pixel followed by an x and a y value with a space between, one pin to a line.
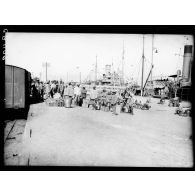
pixel 55 102
pixel 111 101
pixel 162 101
pixel 174 102
pixel 137 104
pixel 184 109
pixel 185 112
pixel 85 103
pixel 144 106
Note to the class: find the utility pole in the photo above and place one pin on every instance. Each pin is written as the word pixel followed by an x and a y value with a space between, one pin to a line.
pixel 79 73
pixel 46 65
pixel 142 91
pixel 152 57
pixel 96 69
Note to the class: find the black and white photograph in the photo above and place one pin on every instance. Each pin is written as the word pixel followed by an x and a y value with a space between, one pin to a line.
pixel 98 99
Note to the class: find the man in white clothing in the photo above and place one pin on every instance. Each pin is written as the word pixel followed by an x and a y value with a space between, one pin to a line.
pixel 93 96
pixel 77 93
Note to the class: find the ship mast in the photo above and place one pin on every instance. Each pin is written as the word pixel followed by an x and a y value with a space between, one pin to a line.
pixel 123 61
pixel 113 81
pixel 142 91
pixel 152 58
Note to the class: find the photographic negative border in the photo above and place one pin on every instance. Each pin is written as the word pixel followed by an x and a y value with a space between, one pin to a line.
pixel 100 29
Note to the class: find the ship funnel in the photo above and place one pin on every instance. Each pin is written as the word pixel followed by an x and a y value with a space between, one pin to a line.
pixel 187 63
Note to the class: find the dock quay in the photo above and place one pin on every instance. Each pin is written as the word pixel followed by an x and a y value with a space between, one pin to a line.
pixel 80 136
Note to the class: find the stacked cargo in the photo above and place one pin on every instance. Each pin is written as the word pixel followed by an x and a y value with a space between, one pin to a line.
pixel 55 102
pixel 85 103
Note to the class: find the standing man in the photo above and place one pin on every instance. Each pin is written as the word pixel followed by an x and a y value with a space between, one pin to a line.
pixel 166 90
pixel 41 90
pixel 70 91
pixel 65 93
pixel 53 89
pixel 61 88
pixel 77 93
pixel 103 99
pixel 108 101
pixel 38 95
pixel 114 101
pixel 129 104
pixel 93 96
pixel 34 92
pixel 47 89
pixel 83 95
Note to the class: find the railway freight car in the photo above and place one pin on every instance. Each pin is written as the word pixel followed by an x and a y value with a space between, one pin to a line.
pixel 17 90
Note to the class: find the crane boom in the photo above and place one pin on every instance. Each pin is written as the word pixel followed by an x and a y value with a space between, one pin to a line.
pixel 148 76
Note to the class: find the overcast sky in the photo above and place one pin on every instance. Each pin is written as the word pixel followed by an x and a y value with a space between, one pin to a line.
pixel 65 52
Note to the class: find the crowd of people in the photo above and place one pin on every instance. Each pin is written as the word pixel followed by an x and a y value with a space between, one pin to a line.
pixel 115 101
pixel 37 91
pixel 106 100
pixel 54 89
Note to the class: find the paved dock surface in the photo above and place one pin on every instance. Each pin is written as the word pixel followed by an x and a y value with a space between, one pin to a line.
pixel 13 141
pixel 85 137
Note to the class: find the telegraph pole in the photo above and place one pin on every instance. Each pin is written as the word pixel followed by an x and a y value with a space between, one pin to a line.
pixel 79 73
pixel 96 69
pixel 80 77
pixel 142 89
pixel 46 65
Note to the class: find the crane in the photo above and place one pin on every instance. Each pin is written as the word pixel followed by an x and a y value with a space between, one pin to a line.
pixel 148 76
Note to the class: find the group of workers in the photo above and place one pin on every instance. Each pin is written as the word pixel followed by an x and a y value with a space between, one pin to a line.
pixel 114 101
pixel 37 91
pixel 61 90
pixel 174 102
pixel 122 100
